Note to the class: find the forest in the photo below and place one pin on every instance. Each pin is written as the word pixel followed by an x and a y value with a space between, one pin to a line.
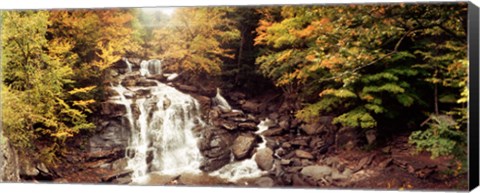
pixel 376 84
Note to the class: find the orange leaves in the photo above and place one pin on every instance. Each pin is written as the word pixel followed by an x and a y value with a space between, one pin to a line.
pixel 331 62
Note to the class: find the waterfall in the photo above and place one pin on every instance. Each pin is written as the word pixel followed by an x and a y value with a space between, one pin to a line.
pixel 161 122
pixel 129 65
pixel 150 67
pixel 221 102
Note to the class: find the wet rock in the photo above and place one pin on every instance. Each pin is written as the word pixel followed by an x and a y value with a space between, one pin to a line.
pixel 116 174
pixel 347 137
pixel 286 145
pixel 264 158
pixel 316 172
pixel 186 88
pixel 128 82
pixel 313 128
pixel 264 182
pixel 112 109
pixel 300 141
pixel 120 164
pixel 212 164
pixel 114 136
pixel 123 180
pixel 158 77
pixel 145 83
pixel 285 161
pixel 303 154
pixel 232 114
pixel 143 92
pixel 204 101
pixel 284 124
pixel 272 143
pixel 273 115
pixel 250 106
pixel 28 169
pixel 214 113
pixel 273 132
pixel 248 126
pixel 242 146
pixel 228 125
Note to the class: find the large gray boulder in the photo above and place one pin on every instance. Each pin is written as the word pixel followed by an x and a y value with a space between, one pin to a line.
pixel 264 158
pixel 317 172
pixel 242 146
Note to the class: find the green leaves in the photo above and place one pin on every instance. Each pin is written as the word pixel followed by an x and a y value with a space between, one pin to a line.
pixel 440 138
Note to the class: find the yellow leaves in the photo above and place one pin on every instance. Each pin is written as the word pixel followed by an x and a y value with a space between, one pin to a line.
pixel 342 93
pixel 84 104
pixel 283 57
pixel 108 55
pixel 81 90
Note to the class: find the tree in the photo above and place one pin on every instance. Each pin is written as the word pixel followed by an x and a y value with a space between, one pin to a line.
pixel 365 63
pixel 37 112
pixel 192 41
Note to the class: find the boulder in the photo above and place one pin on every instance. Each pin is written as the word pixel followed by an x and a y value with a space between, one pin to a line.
pixel 8 162
pixel 313 128
pixel 347 137
pixel 316 172
pixel 214 145
pixel 273 115
pixel 264 182
pixel 186 88
pixel 225 124
pixel 273 132
pixel 242 146
pixel 120 164
pixel 264 158
pixel 251 107
pixel 303 154
pixel 212 164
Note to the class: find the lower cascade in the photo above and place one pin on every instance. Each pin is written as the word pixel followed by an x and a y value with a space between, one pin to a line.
pixel 162 121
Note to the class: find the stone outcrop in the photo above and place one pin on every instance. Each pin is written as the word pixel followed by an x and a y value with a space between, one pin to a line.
pixel 8 162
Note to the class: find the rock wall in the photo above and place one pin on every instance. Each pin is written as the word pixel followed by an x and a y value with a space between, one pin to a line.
pixel 8 162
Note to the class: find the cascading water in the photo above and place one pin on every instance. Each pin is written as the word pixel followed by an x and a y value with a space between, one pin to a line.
pixel 150 67
pixel 129 65
pixel 161 124
pixel 247 168
pixel 162 139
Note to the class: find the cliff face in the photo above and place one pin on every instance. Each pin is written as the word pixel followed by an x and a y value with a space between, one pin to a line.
pixel 8 162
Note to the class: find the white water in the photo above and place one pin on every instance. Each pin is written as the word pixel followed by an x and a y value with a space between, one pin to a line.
pixel 150 67
pixel 129 65
pixel 161 131
pixel 247 168
pixel 221 102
